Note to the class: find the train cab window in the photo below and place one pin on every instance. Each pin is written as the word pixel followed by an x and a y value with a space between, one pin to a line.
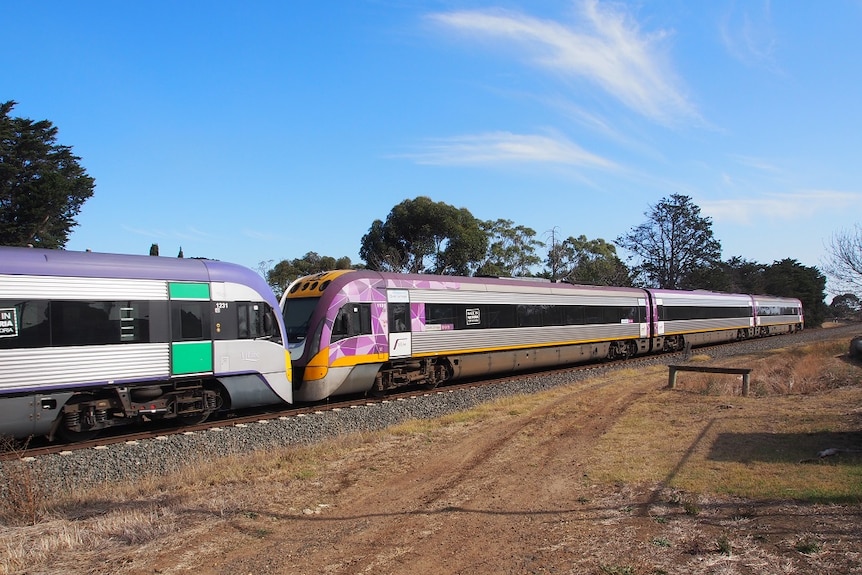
pixel 297 313
pixel 399 317
pixel 353 319
pixel 256 320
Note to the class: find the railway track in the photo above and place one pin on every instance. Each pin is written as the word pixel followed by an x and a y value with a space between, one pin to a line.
pixel 35 450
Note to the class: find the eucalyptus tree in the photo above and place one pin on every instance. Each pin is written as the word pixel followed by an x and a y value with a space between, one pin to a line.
pixel 285 271
pixel 423 236
pixel 594 262
pixel 511 249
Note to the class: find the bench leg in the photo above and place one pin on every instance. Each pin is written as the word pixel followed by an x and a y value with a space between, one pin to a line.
pixel 745 384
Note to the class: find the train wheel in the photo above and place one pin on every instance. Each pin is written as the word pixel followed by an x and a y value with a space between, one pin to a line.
pixel 211 402
pixel 72 418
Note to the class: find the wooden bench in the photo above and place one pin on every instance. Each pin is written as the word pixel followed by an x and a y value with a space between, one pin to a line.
pixel 743 371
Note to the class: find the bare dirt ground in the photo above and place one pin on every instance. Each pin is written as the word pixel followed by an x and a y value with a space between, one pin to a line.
pixel 511 491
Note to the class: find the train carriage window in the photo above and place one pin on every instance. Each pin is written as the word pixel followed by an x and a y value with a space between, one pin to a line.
pixel 440 314
pixel 27 324
pixel 190 320
pixel 681 313
pixel 529 316
pixel 500 315
pixel 83 323
pixel 553 315
pixel 594 314
pixel 352 319
pixel 575 315
pixel 42 323
pixel 134 320
pixel 618 314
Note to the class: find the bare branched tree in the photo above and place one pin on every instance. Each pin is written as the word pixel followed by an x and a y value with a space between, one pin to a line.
pixel 843 262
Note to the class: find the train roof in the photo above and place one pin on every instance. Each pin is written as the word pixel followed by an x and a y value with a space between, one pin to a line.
pixel 314 285
pixel 44 262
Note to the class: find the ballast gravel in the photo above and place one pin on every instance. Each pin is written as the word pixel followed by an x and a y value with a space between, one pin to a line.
pixel 71 471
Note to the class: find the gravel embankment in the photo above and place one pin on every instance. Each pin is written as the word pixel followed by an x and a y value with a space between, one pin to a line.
pixel 91 468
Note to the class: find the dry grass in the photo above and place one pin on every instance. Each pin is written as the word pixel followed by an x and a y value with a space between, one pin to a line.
pixel 703 437
pixel 697 442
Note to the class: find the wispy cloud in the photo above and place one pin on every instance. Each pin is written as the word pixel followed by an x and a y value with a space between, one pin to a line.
pixel 506 147
pixel 774 207
pixel 606 47
pixel 748 35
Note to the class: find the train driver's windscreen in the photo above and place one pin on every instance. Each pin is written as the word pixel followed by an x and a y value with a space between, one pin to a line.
pixel 297 312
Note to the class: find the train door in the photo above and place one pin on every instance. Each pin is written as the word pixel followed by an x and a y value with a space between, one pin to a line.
pixel 191 335
pixel 400 339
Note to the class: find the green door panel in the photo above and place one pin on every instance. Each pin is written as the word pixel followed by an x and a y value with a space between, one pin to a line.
pixel 191 357
pixel 189 290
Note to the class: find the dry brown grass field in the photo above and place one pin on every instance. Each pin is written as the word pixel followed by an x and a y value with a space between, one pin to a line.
pixel 614 475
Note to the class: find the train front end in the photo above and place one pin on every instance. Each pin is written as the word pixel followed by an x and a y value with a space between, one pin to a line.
pixel 336 332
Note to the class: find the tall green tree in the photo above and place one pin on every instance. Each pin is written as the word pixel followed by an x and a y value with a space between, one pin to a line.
pixel 511 249
pixel 584 261
pixel 593 262
pixel 672 245
pixel 42 185
pixel 789 278
pixel 423 236
pixel 285 271
pixel 735 275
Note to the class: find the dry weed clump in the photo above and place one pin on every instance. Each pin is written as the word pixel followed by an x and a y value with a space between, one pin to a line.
pixel 23 500
pixel 817 367
pixel 808 369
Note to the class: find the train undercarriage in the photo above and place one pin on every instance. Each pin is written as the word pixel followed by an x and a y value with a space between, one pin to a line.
pixel 87 413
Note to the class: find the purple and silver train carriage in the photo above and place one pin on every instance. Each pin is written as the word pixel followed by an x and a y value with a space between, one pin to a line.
pixel 353 331
pixel 90 341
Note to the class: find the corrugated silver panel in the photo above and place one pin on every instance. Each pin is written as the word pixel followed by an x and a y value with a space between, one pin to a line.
pixel 465 340
pixel 707 300
pixel 71 365
pixel 476 297
pixel 94 289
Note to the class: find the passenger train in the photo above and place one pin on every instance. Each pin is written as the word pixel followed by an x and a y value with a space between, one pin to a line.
pixel 90 341
pixel 355 331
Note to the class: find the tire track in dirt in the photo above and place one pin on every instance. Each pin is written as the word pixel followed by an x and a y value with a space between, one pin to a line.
pixel 463 489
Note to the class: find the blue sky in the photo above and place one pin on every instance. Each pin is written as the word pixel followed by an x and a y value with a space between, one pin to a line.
pixel 259 131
